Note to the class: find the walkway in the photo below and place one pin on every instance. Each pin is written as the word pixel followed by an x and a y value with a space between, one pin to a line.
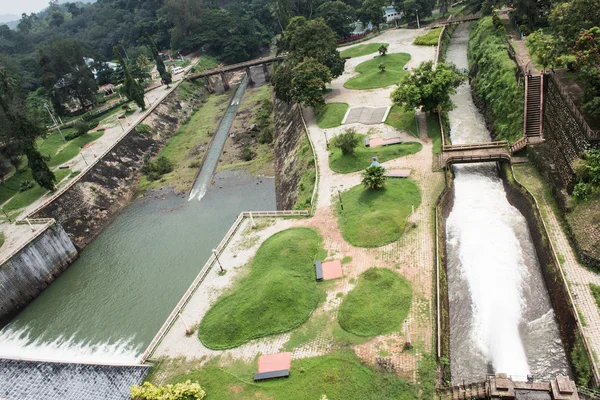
pixel 412 255
pixel 578 276
pixel 522 54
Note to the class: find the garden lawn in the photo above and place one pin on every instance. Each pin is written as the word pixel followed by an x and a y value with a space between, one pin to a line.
pixel 434 132
pixel 23 199
pixel 595 292
pixel 361 50
pixel 50 145
pixel 374 218
pixel 361 159
pixel 370 77
pixel 73 147
pixel 403 120
pixel 341 375
pixel 331 115
pixel 305 166
pixel 377 305
pixel 428 39
pixel 279 293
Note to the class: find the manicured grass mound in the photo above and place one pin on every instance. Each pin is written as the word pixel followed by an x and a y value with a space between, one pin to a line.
pixel 331 115
pixel 428 39
pixel 434 131
pixel 377 305
pixel 403 120
pixel 361 50
pixel 373 218
pixel 279 293
pixel 361 159
pixel 372 78
pixel 341 375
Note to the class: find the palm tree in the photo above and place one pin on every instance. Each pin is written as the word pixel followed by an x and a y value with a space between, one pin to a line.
pixel 374 177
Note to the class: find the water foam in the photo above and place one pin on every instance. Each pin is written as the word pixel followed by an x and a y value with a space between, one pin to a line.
pixel 481 235
pixel 18 344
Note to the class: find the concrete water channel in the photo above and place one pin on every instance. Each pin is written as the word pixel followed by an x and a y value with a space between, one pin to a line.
pixel 110 303
pixel 501 319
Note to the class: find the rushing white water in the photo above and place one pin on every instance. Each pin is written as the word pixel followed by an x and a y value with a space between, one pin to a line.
pixel 501 319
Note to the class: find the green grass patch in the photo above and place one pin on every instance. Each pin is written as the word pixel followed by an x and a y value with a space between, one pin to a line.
pixel 184 147
pixel 428 39
pixel 341 375
pixel 370 77
pixel 377 305
pixel 596 293
pixel 373 218
pixel 205 63
pixel 279 293
pixel 361 50
pixel 23 199
pixel 434 132
pixel 346 260
pixel 306 168
pixel 2 239
pixel 331 115
pixel 403 120
pixel 73 147
pixel 49 146
pixel 361 159
pixel 308 331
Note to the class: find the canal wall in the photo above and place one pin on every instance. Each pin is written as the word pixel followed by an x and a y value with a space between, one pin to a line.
pixel 32 267
pixel 566 314
pixel 101 191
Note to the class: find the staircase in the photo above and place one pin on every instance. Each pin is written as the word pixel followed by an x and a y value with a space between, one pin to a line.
pixel 475 390
pixel 533 106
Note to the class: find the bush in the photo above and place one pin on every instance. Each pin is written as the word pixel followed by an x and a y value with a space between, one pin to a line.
pixel 25 185
pixel 381 67
pixel 247 154
pixel 383 49
pixel 180 391
pixel 374 177
pixel 143 128
pixel 266 136
pixel 347 141
pixel 81 128
pixel 154 170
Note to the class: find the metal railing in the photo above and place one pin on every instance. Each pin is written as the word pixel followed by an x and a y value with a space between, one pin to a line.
pixel 589 132
pixel 476 158
pixel 473 146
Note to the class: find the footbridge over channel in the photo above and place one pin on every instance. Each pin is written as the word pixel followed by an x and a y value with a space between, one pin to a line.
pixel 265 62
pixel 475 152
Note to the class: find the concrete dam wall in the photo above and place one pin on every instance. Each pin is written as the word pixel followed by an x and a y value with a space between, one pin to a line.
pixel 33 268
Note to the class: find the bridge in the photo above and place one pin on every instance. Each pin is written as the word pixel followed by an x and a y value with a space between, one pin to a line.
pixel 475 152
pixel 457 20
pixel 221 71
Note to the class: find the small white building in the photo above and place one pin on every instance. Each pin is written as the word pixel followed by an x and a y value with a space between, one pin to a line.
pixel 390 14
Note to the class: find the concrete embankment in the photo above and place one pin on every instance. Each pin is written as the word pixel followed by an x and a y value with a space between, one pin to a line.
pixel 33 267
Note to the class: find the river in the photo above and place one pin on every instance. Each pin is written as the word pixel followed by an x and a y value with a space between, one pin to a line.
pixel 110 303
pixel 501 318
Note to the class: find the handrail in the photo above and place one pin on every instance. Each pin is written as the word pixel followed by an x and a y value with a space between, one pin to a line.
pixel 590 353
pixel 483 145
pixel 519 144
pixel 589 132
pixel 48 223
pixel 479 158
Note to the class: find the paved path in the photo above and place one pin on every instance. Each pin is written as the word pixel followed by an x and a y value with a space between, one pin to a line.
pixel 412 255
pixel 521 48
pixel 578 276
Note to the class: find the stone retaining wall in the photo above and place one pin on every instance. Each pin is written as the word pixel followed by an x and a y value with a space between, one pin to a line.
pixel 24 275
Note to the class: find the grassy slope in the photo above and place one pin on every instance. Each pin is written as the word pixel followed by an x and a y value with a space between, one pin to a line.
pixel 371 78
pixel 306 164
pixel 373 218
pixel 361 158
pixel 495 81
pixel 23 199
pixel 73 148
pixel 428 39
pixel 2 239
pixel 434 131
pixel 331 115
pixel 403 120
pixel 183 148
pixel 377 305
pixel 361 50
pixel 279 293
pixel 341 375
pixel 596 293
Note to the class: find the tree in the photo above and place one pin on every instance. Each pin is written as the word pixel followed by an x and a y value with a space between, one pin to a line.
pixel 339 16
pixel 374 177
pixel 542 47
pixel 412 8
pixel 444 6
pixel 132 88
pixel 308 82
pixel 180 391
pixel 568 19
pixel 383 49
pixel 429 88
pixel 381 67
pixel 165 76
pixel 587 51
pixel 371 11
pixel 588 173
pixel 347 141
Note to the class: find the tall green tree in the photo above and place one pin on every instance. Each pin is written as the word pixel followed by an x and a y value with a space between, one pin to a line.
pixel 371 11
pixel 165 75
pixel 133 89
pixel 428 87
pixel 587 51
pixel 339 16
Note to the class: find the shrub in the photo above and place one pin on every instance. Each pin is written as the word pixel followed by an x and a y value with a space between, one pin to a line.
pixel 383 49
pixel 247 154
pixel 154 170
pixel 374 177
pixel 266 136
pixel 180 391
pixel 93 123
pixel 346 141
pixel 25 185
pixel 381 67
pixel 81 128
pixel 143 128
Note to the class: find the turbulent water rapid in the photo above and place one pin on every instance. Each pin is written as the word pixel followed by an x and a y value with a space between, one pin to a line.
pixel 501 319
